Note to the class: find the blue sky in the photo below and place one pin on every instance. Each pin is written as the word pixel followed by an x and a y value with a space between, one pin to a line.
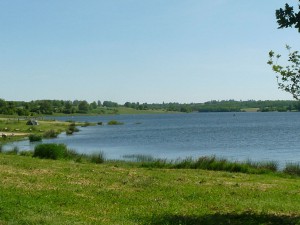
pixel 140 51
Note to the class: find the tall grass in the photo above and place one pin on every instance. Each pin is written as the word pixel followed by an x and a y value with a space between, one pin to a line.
pixel 13 151
pixel 139 157
pixel 292 169
pixel 213 163
pixel 97 158
pixel 50 151
pixel 60 151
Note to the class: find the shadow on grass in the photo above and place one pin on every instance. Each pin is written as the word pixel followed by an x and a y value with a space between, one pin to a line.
pixel 219 219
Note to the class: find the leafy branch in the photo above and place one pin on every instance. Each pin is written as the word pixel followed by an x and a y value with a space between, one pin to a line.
pixel 288 77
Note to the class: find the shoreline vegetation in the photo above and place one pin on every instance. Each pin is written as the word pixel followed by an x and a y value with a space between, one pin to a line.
pixel 19 128
pixel 40 108
pixel 62 152
pixel 38 190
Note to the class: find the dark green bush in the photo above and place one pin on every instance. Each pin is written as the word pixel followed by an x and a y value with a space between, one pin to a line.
pixel 34 137
pixel 50 134
pixel 71 129
pixel 50 151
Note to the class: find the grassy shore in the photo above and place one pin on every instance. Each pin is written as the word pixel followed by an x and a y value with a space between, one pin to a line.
pixel 16 129
pixel 40 191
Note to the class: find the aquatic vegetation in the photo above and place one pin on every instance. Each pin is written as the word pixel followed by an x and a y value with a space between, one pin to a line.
pixel 114 122
pixel 35 137
pixel 50 134
pixel 292 169
pixel 50 151
pixel 97 158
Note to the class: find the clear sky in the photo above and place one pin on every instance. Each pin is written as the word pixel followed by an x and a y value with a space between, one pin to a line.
pixel 141 50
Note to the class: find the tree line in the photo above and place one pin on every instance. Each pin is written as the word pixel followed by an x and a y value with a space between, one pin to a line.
pixel 50 107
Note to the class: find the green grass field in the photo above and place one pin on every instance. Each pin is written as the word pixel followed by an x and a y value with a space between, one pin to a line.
pixel 39 191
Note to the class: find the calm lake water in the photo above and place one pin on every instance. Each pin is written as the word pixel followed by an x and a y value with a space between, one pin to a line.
pixel 235 136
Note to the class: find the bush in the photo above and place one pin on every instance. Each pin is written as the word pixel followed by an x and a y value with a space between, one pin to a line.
pixel 69 132
pixel 35 137
pixel 50 151
pixel 50 134
pixel 71 129
pixel 114 122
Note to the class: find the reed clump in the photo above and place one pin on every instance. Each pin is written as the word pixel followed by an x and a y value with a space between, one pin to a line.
pixel 114 122
pixel 292 169
pixel 50 134
pixel 213 163
pixel 35 137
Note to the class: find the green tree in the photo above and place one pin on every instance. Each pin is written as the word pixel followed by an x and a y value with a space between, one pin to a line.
pixel 288 77
pixel 46 107
pixel 287 17
pixel 83 106
pixel 93 105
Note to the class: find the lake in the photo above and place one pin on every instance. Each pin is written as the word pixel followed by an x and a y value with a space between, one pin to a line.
pixel 235 136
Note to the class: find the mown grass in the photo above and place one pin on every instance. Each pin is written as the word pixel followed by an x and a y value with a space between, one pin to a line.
pixel 42 191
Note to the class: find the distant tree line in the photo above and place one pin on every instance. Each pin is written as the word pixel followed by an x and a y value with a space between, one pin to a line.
pixel 49 107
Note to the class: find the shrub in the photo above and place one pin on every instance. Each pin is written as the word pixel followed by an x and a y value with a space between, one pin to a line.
pixel 35 137
pixel 114 122
pixel 50 151
pixel 50 134
pixel 71 129
pixel 292 169
pixel 69 132
pixel 1 148
pixel 100 123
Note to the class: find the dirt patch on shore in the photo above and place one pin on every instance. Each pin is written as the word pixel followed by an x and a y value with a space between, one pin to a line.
pixel 11 134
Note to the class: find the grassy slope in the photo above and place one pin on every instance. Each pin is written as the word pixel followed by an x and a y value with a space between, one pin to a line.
pixel 35 191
